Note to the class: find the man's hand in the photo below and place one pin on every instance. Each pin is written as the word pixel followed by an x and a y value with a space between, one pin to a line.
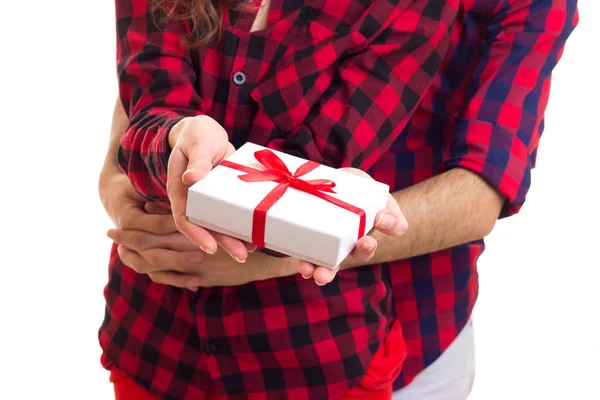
pixel 390 222
pixel 198 145
pixel 149 231
pixel 162 253
pixel 127 209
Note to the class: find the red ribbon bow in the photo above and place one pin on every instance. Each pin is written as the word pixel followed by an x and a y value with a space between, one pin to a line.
pixel 277 171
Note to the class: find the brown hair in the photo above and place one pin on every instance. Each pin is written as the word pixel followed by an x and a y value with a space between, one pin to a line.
pixel 204 16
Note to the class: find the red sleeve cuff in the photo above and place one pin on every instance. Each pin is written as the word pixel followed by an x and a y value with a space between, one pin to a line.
pixel 144 154
pixel 496 154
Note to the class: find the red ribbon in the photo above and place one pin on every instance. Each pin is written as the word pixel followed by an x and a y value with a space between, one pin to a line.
pixel 276 171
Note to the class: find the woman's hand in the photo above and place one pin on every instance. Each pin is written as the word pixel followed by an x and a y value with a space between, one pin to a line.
pixel 198 145
pixel 167 260
pixel 390 221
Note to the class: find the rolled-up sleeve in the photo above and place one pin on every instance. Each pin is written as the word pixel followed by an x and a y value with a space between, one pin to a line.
pixel 157 86
pixel 497 133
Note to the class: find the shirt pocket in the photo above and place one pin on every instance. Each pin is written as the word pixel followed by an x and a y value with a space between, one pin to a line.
pixel 298 82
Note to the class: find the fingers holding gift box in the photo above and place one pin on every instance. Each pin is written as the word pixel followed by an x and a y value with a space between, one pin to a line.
pixel 287 204
pixel 390 221
pixel 198 144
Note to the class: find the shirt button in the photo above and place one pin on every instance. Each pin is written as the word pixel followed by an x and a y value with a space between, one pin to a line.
pixel 210 349
pixel 239 78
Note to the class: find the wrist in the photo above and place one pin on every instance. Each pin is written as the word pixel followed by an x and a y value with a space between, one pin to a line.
pixel 176 130
pixel 110 169
pixel 199 125
pixel 269 267
pixel 109 178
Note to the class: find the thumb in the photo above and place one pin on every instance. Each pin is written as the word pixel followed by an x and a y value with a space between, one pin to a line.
pixel 199 165
pixel 201 162
pixel 203 152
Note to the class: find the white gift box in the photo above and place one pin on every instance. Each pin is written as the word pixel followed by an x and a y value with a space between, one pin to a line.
pixel 299 224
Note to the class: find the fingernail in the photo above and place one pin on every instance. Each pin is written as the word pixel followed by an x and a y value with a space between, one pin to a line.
pixel 306 277
pixel 386 221
pixel 319 283
pixel 206 250
pixel 120 249
pixel 236 258
pixel 193 289
pixel 369 246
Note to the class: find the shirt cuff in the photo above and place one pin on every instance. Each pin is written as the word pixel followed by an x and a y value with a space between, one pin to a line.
pixel 160 150
pixel 496 154
pixel 144 153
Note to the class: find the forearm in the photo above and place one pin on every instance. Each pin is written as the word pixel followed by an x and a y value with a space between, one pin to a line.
pixel 455 207
pixel 110 169
pixel 118 126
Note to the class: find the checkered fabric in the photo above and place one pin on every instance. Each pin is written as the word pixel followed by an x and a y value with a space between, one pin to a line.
pixel 402 89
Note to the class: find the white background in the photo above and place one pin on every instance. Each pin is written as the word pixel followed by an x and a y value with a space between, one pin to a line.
pixel 537 321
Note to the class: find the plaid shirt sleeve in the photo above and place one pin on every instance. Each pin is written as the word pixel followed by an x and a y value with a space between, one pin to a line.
pixel 349 114
pixel 157 87
pixel 498 131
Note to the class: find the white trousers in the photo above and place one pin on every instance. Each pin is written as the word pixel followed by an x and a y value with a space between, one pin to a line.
pixel 450 377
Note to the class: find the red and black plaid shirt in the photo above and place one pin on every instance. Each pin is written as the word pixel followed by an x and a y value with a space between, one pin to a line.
pixel 404 89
